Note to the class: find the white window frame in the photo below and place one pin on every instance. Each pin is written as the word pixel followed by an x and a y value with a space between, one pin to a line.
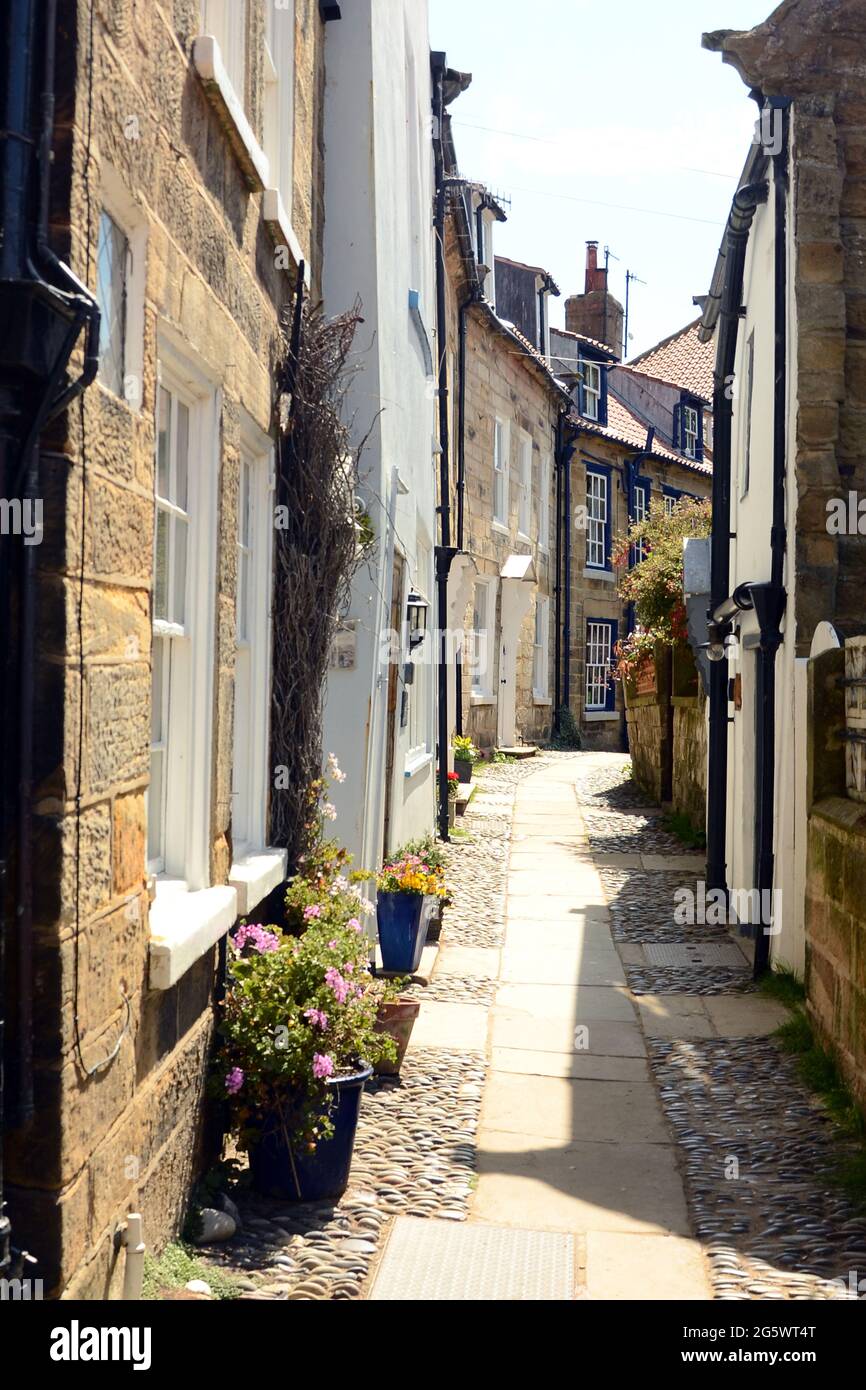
pixel 641 512
pixel 597 507
pixel 501 447
pixel 670 503
pixel 591 393
pixel 524 484
pixel 481 644
pixel 544 503
pixel 225 21
pixel 185 846
pixel 278 133
pixel 593 679
pixel 541 651
pixel 129 216
pixel 690 425
pixel 256 869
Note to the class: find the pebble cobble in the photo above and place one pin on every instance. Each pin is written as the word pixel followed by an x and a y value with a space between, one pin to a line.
pixel 415 1147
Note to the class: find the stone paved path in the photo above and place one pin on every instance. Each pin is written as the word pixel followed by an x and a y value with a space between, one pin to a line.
pixel 574 1094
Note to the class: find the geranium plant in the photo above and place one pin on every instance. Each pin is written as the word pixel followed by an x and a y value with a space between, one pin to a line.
pixel 298 1011
pixel 655 584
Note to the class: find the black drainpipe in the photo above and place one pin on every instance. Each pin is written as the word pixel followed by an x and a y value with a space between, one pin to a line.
pixel 769 599
pixel 746 200
pixel 445 552
pixel 33 392
pixel 557 586
pixel 566 621
pixel 461 484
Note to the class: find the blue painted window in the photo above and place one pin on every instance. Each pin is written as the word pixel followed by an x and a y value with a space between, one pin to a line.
pixel 599 685
pixel 688 430
pixel 640 505
pixel 598 517
pixel 592 390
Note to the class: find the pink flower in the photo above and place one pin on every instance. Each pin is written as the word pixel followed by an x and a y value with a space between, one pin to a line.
pixel 260 940
pixel 312 911
pixel 322 1065
pixel 329 810
pixel 317 1016
pixel 354 924
pixel 335 981
pixel 234 1081
pixel 348 968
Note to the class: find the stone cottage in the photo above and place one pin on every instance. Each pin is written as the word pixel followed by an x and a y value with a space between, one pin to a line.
pixel 185 190
pixel 786 311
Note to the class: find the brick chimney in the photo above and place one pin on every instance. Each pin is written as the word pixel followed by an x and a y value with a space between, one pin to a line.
pixel 596 313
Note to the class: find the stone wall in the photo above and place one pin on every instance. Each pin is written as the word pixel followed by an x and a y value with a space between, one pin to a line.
pixel 689 772
pixel 125 1134
pixel 836 942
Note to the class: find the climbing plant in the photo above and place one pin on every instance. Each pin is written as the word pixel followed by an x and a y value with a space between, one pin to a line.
pixel 655 583
pixel 318 546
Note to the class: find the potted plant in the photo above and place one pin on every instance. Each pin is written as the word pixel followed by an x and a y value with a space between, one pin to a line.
pixel 431 853
pixel 298 1042
pixel 465 754
pixel 395 1016
pixel 402 888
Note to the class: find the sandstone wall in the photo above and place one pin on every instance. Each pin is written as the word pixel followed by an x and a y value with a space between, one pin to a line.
pixel 128 1136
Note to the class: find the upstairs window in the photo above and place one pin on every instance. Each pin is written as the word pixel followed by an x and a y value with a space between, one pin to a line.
pixel 500 472
pixel 640 512
pixel 279 82
pixel 544 504
pixel 598 520
pixel 226 21
pixel 524 483
pixel 688 431
pixel 592 391
pixel 112 262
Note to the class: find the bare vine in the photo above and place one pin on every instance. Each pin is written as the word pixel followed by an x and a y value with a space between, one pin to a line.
pixel 317 550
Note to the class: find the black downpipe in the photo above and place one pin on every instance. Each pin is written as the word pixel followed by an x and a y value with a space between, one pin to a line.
pixel 746 200
pixel 461 488
pixel 557 587
pixel 444 551
pixel 566 622
pixel 770 599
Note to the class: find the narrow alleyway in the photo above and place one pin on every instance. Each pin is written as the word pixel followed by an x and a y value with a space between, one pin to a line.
pixel 592 1105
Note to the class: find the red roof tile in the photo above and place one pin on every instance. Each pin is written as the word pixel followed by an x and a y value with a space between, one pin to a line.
pixel 625 428
pixel 681 359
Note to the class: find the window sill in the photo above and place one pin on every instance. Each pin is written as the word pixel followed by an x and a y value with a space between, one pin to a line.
pixel 596 716
pixel 183 926
pixel 538 699
pixel 606 576
pixel 415 763
pixel 481 697
pixel 500 527
pixel 523 536
pixel 254 875
pixel 276 219
pixel 208 63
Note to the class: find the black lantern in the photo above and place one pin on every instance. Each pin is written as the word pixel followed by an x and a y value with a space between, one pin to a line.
pixel 416 616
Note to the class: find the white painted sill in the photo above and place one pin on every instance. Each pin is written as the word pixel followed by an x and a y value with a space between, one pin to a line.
pixel 208 63
pixel 482 697
pixel 276 219
pixel 597 716
pixel 183 926
pixel 255 875
pixel 413 766
pixel 500 527
pixel 607 576
pixel 541 699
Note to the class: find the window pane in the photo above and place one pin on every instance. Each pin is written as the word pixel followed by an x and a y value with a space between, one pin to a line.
pixel 180 529
pixel 162 438
pixel 154 804
pixel 160 578
pixel 182 456
pixel 157 663
pixel 111 294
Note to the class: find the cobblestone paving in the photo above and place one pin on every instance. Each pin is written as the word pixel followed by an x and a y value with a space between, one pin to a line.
pixel 619 818
pixel 642 906
pixel 415 1148
pixel 714 979
pixel 783 1228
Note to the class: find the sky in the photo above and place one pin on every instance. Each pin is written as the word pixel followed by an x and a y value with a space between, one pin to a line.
pixel 594 118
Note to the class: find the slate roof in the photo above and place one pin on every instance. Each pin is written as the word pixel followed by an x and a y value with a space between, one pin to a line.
pixel 682 359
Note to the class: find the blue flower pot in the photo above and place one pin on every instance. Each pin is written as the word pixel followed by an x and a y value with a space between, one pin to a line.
pixel 402 931
pixel 317 1176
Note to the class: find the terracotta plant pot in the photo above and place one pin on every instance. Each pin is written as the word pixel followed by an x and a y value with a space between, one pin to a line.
pixel 397 1019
